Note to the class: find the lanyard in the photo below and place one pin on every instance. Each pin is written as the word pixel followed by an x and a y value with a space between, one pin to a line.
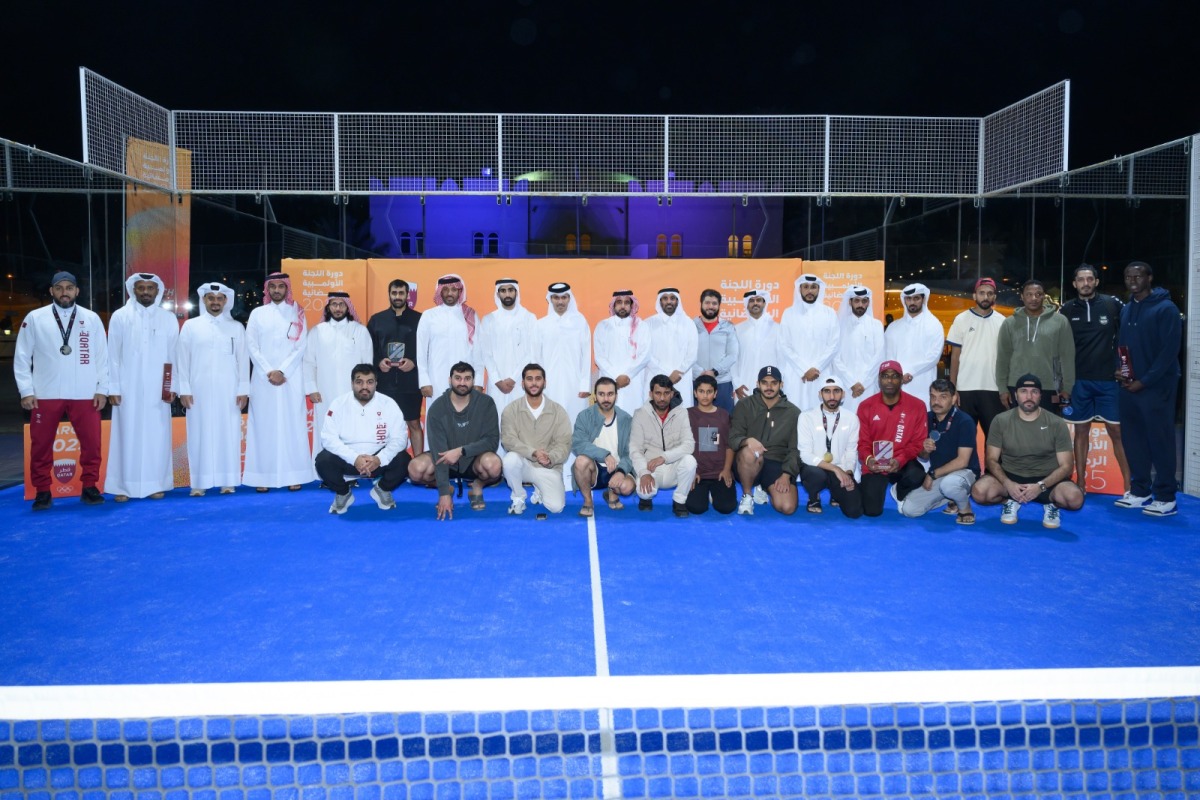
pixel 828 433
pixel 66 334
pixel 935 434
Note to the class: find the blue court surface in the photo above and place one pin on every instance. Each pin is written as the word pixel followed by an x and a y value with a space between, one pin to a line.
pixel 272 588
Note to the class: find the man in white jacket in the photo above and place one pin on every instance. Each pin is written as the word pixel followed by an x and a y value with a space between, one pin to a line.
pixel 661 447
pixel 364 435
pixel 61 367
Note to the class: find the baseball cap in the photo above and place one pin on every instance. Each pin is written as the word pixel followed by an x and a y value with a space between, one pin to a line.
pixel 895 365
pixel 769 372
pixel 1028 380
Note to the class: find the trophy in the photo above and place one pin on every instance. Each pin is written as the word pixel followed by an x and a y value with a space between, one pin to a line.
pixel 395 351
pixel 1125 361
pixel 883 454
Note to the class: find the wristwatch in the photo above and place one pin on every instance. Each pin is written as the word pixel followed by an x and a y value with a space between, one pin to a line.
pixel 1042 485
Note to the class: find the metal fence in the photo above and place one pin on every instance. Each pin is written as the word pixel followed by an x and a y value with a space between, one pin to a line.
pixel 587 154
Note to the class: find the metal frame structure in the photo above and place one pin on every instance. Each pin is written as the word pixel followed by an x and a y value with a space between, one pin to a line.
pixel 238 152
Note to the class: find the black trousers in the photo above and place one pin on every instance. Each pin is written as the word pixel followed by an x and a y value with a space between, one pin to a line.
pixel 724 498
pixel 815 479
pixel 332 471
pixel 874 486
pixel 983 406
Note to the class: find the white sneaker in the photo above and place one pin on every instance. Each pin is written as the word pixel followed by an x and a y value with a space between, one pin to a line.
pixel 746 505
pixel 1131 500
pixel 341 502
pixel 517 507
pixel 760 496
pixel 536 498
pixel 1050 516
pixel 896 497
pixel 1160 508
pixel 382 497
pixel 1009 514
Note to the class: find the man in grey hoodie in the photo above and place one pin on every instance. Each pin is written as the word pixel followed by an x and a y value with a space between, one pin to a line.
pixel 1038 341
pixel 661 447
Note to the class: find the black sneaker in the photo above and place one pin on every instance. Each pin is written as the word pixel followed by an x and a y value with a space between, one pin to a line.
pixel 42 501
pixel 91 496
pixel 679 510
pixel 645 505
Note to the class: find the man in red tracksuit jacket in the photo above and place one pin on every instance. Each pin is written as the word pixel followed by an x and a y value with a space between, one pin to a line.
pixel 899 418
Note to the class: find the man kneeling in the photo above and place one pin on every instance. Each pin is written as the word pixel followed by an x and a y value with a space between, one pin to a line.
pixel 1030 457
pixel 601 445
pixel 364 434
pixel 537 435
pixel 660 447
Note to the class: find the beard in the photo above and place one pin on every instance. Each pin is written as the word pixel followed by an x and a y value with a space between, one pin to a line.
pixel 709 314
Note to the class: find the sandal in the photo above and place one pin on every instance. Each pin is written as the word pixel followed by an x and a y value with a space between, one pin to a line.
pixel 814 507
pixel 477 503
pixel 951 508
pixel 262 489
pixel 966 518
pixel 613 499
pixel 586 511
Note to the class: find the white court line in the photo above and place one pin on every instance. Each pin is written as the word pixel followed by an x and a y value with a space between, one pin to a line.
pixel 139 701
pixel 599 635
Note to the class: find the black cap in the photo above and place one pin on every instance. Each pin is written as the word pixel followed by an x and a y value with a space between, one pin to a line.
pixel 1028 380
pixel 769 372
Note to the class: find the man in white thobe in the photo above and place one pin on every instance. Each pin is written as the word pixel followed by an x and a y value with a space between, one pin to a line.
pixel 861 350
pixel 334 348
pixel 758 338
pixel 564 349
pixel 916 340
pixel 277 447
pixel 446 335
pixel 212 378
pixel 622 348
pixel 507 341
pixel 141 350
pixel 808 339
pixel 673 343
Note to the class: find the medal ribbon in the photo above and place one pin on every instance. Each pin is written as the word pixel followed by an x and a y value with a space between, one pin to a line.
pixel 66 334
pixel 828 433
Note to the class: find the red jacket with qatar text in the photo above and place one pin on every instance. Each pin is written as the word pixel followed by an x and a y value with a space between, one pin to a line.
pixel 905 425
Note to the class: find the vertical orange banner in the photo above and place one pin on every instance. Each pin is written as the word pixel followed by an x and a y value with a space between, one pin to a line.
pixel 158 223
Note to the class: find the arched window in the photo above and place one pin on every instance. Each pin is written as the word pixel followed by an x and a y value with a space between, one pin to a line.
pixel 732 251
pixel 585 242
pixel 747 246
pixel 420 237
pixel 493 244
pixel 660 250
pixel 676 245
pixel 477 244
pixel 405 244
pixel 570 243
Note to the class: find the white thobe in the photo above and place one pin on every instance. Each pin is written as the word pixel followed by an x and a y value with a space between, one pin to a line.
pixel 141 340
pixel 916 342
pixel 674 341
pixel 277 447
pixel 442 343
pixel 757 348
pixel 333 350
pixel 616 356
pixel 507 341
pixel 859 355
pixel 808 337
pixel 213 367
pixel 564 349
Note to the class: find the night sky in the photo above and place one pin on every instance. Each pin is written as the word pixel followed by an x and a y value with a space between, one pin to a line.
pixel 1131 64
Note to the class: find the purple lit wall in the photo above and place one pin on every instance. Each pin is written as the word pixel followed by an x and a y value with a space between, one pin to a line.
pixel 464 226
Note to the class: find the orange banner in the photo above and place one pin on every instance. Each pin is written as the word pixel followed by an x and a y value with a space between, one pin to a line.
pixel 65 472
pixel 314 279
pixel 157 223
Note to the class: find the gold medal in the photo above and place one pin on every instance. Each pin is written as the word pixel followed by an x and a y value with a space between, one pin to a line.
pixel 827 458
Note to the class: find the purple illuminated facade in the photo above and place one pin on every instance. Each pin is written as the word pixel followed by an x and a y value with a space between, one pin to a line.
pixel 531 226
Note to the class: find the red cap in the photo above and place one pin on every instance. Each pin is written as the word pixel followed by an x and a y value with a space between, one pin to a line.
pixel 984 282
pixel 894 365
